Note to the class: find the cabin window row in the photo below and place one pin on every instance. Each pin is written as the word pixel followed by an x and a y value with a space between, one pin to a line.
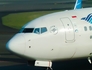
pixel 90 28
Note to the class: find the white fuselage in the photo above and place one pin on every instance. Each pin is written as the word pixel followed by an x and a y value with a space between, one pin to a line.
pixel 67 37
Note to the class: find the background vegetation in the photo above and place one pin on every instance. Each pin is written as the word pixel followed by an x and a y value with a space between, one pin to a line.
pixel 17 20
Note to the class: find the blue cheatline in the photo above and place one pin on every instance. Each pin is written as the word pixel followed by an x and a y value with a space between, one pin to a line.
pixel 88 18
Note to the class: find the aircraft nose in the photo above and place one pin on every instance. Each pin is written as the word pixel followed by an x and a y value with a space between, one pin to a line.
pixel 16 45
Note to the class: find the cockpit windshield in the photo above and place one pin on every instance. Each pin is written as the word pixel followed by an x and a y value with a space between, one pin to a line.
pixel 43 29
pixel 26 30
pixel 37 30
pixel 40 30
pixel 34 30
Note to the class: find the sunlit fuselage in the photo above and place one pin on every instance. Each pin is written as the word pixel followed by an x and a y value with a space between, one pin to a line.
pixel 55 36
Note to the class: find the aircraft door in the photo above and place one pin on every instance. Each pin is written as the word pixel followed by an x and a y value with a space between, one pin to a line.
pixel 69 29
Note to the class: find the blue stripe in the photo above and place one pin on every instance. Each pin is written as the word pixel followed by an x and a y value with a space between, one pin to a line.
pixel 91 20
pixel 83 18
pixel 88 17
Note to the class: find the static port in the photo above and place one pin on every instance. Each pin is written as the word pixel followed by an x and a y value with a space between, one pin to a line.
pixel 29 46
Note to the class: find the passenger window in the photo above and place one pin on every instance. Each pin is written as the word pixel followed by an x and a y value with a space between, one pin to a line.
pixel 85 28
pixel 90 28
pixel 91 37
pixel 37 30
pixel 44 29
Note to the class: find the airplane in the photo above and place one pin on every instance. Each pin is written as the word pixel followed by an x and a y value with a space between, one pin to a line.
pixel 54 37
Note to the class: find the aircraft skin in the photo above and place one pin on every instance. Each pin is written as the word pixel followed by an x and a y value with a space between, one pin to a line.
pixel 65 37
pixel 57 36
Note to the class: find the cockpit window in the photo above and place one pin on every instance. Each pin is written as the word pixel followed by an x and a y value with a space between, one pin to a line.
pixel 44 29
pixel 40 30
pixel 27 30
pixel 37 30
pixel 34 30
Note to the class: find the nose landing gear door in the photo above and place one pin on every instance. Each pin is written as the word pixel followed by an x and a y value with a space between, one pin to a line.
pixel 69 29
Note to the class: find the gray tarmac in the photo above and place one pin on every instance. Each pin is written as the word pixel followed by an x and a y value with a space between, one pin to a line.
pixel 63 65
pixel 32 5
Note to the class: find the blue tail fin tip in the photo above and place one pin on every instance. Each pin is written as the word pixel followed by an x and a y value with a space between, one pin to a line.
pixel 78 4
